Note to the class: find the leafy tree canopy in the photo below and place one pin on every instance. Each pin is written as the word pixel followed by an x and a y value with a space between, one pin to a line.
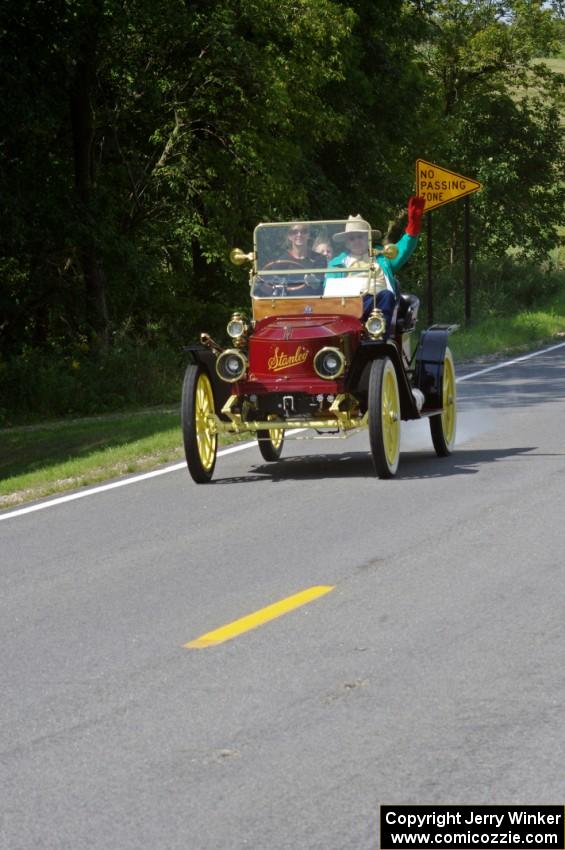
pixel 141 140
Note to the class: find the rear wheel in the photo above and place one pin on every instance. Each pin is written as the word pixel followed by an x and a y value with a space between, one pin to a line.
pixel 199 435
pixel 384 417
pixel 271 443
pixel 443 426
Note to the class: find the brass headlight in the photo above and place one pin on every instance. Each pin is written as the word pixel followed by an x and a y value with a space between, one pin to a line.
pixel 237 327
pixel 329 363
pixel 231 365
pixel 376 324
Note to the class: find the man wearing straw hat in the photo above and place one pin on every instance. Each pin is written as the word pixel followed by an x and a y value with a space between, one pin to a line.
pixel 356 241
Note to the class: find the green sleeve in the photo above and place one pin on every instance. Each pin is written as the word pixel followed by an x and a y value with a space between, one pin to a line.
pixel 406 247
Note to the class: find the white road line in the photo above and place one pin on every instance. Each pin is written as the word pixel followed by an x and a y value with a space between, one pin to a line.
pixel 510 362
pixel 93 491
pixel 134 479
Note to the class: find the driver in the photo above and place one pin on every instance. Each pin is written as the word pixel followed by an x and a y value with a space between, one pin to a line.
pixel 298 247
pixel 297 255
pixel 300 254
pixel 355 239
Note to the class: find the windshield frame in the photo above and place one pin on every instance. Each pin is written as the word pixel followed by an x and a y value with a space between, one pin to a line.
pixel 325 227
pixel 271 304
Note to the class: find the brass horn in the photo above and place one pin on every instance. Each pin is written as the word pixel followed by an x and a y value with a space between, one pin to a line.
pixel 238 257
pixel 390 251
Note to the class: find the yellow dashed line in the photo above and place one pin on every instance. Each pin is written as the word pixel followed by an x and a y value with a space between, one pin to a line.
pixel 252 621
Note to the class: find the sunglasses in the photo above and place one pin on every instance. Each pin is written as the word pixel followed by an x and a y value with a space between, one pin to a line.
pixel 351 236
pixel 298 232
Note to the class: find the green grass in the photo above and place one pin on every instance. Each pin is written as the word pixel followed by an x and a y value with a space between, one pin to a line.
pixel 556 63
pixel 39 460
pixel 522 332
pixel 36 461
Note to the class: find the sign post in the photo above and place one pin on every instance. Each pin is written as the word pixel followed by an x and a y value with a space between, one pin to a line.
pixel 430 291
pixel 467 263
pixel 439 186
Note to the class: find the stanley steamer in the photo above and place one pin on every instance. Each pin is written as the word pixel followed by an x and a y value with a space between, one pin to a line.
pixel 307 359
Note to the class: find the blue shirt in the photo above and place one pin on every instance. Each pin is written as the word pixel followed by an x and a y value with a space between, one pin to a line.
pixel 405 246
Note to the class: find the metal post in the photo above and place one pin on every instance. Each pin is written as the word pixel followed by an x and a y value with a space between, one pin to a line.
pixel 430 293
pixel 467 263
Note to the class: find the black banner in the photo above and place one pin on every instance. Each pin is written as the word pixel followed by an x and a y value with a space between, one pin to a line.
pixel 472 827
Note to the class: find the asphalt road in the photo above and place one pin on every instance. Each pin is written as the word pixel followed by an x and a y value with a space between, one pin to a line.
pixel 432 672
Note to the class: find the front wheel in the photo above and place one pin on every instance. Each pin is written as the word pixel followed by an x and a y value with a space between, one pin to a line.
pixel 271 443
pixel 443 425
pixel 198 431
pixel 384 417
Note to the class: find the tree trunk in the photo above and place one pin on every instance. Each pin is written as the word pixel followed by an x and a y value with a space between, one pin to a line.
pixel 82 122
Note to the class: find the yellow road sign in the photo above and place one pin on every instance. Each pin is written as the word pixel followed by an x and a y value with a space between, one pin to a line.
pixel 438 186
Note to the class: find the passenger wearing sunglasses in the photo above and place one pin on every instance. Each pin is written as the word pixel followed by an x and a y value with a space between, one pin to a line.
pixel 300 256
pixel 356 239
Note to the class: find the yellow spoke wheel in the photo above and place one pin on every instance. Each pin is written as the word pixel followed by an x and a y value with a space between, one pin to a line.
pixel 444 425
pixel 271 443
pixel 198 429
pixel 384 417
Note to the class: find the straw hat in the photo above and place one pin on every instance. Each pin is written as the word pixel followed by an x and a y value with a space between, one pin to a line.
pixel 354 224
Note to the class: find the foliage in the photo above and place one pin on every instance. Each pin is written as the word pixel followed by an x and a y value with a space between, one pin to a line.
pixel 500 120
pixel 139 142
pixel 499 289
pixel 40 386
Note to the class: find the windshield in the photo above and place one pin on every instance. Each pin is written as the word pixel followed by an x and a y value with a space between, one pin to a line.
pixel 297 259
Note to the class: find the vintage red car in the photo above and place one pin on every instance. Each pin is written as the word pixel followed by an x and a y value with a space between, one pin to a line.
pixel 311 356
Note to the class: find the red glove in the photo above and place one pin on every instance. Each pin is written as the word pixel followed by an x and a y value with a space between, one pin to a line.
pixel 415 213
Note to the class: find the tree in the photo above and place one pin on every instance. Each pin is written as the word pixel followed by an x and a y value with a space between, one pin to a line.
pixel 139 141
pixel 499 118
pixel 163 131
pixel 370 167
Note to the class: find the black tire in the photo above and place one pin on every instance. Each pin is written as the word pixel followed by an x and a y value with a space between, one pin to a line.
pixel 270 444
pixel 443 425
pixel 384 417
pixel 200 439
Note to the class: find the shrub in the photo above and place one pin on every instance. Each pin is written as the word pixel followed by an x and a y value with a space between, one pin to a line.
pixel 500 286
pixel 37 386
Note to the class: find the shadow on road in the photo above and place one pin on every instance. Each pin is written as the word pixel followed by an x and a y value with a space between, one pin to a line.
pixel 413 465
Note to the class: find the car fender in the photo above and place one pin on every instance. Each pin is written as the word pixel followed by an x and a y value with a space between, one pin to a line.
pixel 430 356
pixel 204 357
pixel 358 377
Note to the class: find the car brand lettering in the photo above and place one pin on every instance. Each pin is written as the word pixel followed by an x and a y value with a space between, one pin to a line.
pixel 281 360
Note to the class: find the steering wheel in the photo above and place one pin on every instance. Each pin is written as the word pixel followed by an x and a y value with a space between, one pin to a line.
pixel 275 286
pixel 283 264
pixel 270 287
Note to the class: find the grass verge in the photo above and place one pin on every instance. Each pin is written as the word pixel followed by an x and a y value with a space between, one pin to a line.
pixel 515 334
pixel 40 460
